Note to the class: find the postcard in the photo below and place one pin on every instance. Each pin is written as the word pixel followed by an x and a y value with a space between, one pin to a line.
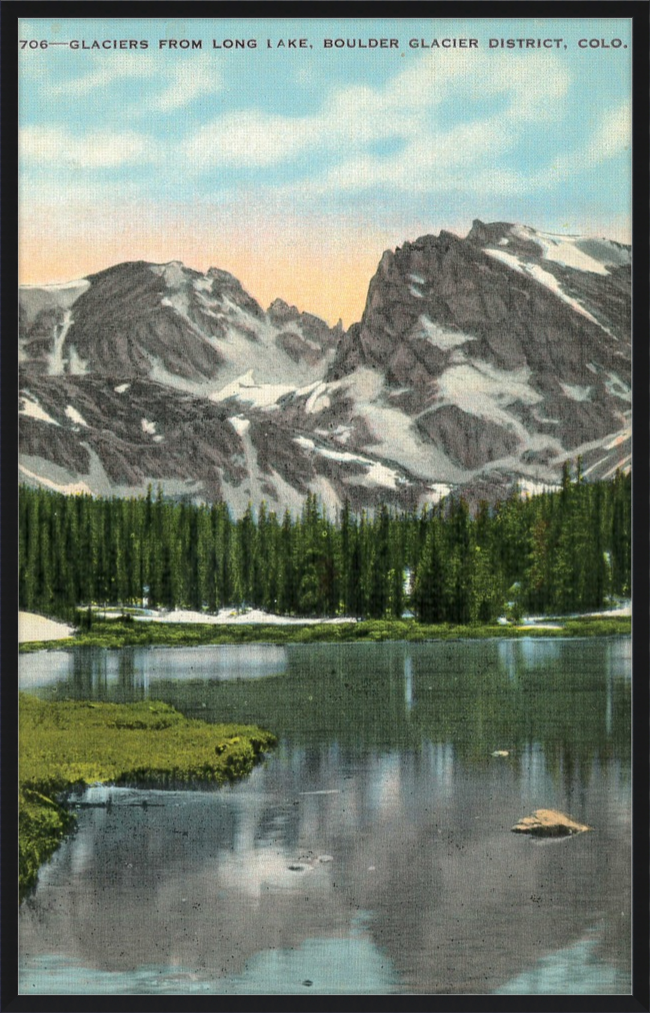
pixel 325 364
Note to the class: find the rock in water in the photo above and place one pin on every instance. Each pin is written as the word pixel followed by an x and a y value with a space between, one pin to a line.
pixel 549 823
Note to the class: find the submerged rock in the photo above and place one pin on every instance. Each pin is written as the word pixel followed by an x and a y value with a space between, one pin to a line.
pixel 549 823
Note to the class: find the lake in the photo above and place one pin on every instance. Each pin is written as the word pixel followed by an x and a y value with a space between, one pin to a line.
pixel 372 852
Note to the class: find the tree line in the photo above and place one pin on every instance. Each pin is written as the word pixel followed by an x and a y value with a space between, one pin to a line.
pixel 559 551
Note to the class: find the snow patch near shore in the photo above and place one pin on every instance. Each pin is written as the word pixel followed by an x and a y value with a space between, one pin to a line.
pixel 35 627
pixel 231 616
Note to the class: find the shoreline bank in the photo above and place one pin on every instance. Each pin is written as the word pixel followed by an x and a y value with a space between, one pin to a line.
pixel 125 632
pixel 148 743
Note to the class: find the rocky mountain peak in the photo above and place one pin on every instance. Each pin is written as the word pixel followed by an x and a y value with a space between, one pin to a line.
pixel 477 361
pixel 280 312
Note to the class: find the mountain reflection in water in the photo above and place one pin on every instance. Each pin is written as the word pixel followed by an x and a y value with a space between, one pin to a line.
pixel 385 766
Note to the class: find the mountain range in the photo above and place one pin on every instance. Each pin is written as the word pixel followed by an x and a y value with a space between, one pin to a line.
pixel 479 362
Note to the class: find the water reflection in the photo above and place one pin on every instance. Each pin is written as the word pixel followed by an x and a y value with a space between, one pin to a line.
pixel 385 767
pixel 570 697
pixel 576 970
pixel 127 673
pixel 352 965
pixel 208 881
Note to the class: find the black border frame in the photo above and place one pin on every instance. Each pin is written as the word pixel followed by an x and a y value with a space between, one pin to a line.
pixel 11 11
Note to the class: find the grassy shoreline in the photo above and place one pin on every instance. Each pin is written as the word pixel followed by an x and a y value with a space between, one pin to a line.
pixel 117 633
pixel 67 745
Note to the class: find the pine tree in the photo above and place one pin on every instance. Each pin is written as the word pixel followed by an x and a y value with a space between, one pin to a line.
pixel 379 595
pixel 430 595
pixel 566 551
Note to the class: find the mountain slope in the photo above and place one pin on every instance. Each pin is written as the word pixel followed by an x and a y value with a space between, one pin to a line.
pixel 477 362
pixel 170 323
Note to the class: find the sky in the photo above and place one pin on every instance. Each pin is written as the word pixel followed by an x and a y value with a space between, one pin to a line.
pixel 295 168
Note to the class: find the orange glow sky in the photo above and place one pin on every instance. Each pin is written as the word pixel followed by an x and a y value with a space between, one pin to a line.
pixel 322 271
pixel 295 171
pixel 325 274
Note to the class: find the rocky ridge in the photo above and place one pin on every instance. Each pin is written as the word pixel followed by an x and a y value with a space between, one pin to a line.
pixel 478 362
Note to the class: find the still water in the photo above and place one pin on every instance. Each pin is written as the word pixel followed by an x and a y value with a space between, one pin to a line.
pixel 372 851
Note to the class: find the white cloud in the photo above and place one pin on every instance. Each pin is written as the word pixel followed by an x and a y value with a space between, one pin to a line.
pixel 613 135
pixel 121 66
pixel 251 138
pixel 401 135
pixel 195 77
pixel 409 108
pixel 186 79
pixel 100 149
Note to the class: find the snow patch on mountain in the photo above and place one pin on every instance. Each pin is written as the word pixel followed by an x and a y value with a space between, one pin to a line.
pixel 337 455
pixel 417 279
pixel 379 474
pixel 619 439
pixel 396 439
pixel 76 365
pixel 177 301
pixel 530 487
pixel 564 250
pixel 622 465
pixel 318 400
pixel 393 433
pixel 75 416
pixel 239 424
pixel 438 491
pixel 57 366
pixel 481 389
pixel 540 417
pixel 173 273
pixel 34 411
pixel 61 296
pixel 245 388
pixel 576 392
pixel 442 337
pixel 69 488
pixel 148 427
pixel 376 474
pixel 341 434
pixel 544 278
pixel 614 385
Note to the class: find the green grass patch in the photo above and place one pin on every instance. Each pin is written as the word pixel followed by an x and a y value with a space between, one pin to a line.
pixel 596 626
pixel 113 633
pixel 70 744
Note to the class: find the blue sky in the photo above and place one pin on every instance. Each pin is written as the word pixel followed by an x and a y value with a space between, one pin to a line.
pixel 286 165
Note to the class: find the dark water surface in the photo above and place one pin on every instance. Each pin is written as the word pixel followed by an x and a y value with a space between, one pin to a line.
pixel 372 852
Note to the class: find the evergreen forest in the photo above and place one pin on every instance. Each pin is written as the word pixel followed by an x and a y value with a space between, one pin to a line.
pixel 556 552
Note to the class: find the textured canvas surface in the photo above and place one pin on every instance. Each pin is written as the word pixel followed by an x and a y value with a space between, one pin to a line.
pixel 325 404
